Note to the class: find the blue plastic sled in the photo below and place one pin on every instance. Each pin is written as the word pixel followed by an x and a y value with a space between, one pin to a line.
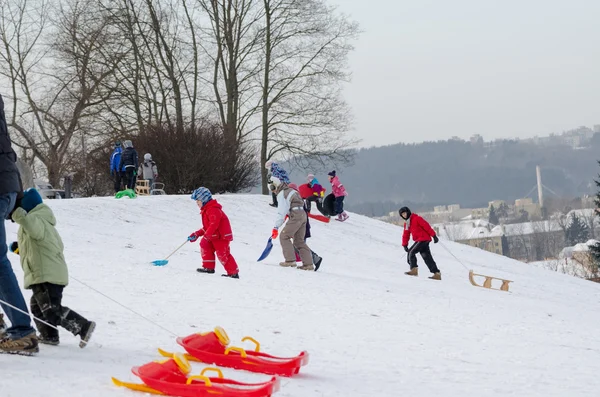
pixel 267 250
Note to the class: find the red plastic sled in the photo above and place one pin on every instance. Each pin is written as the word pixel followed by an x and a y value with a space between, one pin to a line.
pixel 211 348
pixel 169 377
pixel 321 218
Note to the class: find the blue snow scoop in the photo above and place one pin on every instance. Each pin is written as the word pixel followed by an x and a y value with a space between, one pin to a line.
pixel 267 250
pixel 162 262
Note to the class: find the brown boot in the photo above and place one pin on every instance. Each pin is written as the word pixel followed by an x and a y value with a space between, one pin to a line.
pixel 436 276
pixel 26 346
pixel 287 264
pixel 414 271
pixel 306 267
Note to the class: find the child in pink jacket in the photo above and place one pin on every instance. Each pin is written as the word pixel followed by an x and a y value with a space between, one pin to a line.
pixel 339 191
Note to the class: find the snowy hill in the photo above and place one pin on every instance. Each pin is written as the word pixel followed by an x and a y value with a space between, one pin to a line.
pixel 370 330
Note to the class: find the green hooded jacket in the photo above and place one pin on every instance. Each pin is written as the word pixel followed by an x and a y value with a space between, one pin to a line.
pixel 40 247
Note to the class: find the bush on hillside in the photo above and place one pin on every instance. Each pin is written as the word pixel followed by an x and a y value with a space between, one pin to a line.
pixel 200 156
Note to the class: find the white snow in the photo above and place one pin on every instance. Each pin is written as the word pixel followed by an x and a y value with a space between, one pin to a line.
pixel 370 330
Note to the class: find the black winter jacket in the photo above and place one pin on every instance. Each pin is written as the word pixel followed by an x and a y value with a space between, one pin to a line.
pixel 129 158
pixel 9 173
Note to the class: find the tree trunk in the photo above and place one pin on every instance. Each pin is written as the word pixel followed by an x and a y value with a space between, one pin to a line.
pixel 264 143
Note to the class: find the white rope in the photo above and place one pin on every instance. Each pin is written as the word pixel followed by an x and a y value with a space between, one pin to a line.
pixel 450 252
pixel 95 290
pixel 125 307
pixel 28 314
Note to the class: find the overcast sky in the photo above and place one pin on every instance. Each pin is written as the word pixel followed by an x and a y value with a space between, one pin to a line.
pixel 432 69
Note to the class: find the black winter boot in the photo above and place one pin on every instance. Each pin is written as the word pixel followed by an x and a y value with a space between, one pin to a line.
pixel 48 340
pixel 205 270
pixel 86 333
pixel 231 275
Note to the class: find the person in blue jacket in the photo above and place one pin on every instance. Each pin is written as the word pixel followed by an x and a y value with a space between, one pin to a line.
pixel 116 173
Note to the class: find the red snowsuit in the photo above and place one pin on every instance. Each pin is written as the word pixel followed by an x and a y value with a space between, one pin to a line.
pixel 419 228
pixel 217 233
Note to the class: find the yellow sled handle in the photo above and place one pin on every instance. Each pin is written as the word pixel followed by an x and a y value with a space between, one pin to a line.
pixel 212 369
pixel 207 382
pixel 251 339
pixel 236 349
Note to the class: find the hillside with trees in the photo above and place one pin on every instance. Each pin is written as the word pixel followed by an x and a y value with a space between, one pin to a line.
pixel 465 173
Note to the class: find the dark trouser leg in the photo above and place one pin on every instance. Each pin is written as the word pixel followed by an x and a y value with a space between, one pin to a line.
pixel 309 200
pixel 428 258
pixel 130 178
pixel 339 205
pixel 274 199
pixel 411 257
pixel 49 298
pixel 45 308
pixel 117 179
pixel 320 207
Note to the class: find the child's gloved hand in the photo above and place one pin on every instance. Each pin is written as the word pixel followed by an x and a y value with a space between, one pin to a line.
pixel 435 239
pixel 192 237
pixel 274 233
pixel 14 247
pixel 405 248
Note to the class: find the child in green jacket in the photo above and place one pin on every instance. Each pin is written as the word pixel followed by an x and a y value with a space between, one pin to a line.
pixel 41 250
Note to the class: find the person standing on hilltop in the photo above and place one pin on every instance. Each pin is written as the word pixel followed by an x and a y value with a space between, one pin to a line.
pixel 129 164
pixel 275 170
pixel 422 233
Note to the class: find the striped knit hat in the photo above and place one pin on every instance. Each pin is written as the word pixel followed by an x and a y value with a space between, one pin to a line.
pixel 202 194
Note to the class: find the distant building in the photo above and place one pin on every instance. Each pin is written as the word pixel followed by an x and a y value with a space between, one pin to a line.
pixel 526 241
pixel 527 204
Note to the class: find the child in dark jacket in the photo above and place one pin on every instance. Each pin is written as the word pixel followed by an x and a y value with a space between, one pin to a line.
pixel 422 233
pixel 41 251
pixel 129 164
pixel 216 235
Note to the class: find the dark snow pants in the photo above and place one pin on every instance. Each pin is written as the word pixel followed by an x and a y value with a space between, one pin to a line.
pixel 422 247
pixel 339 205
pixel 46 304
pixel 319 202
pixel 130 177
pixel 119 179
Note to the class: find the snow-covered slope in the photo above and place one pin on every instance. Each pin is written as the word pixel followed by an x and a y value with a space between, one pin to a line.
pixel 370 330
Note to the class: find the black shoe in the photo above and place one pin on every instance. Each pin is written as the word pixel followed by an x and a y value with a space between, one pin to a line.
pixel 230 275
pixel 273 205
pixel 205 270
pixel 318 263
pixel 49 340
pixel 86 333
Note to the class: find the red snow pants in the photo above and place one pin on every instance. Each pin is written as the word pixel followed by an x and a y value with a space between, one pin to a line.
pixel 220 248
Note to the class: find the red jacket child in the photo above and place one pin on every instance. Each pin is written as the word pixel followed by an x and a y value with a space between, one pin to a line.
pixel 216 235
pixel 419 228
pixel 422 233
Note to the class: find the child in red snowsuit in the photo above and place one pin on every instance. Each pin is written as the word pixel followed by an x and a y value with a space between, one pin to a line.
pixel 422 233
pixel 216 235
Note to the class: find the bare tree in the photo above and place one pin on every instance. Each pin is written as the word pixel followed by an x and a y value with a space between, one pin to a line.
pixel 235 40
pixel 546 242
pixel 158 81
pixel 58 84
pixel 305 51
pixel 519 244
pixel 455 231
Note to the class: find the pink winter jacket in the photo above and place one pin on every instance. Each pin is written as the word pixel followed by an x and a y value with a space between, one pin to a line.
pixel 338 189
